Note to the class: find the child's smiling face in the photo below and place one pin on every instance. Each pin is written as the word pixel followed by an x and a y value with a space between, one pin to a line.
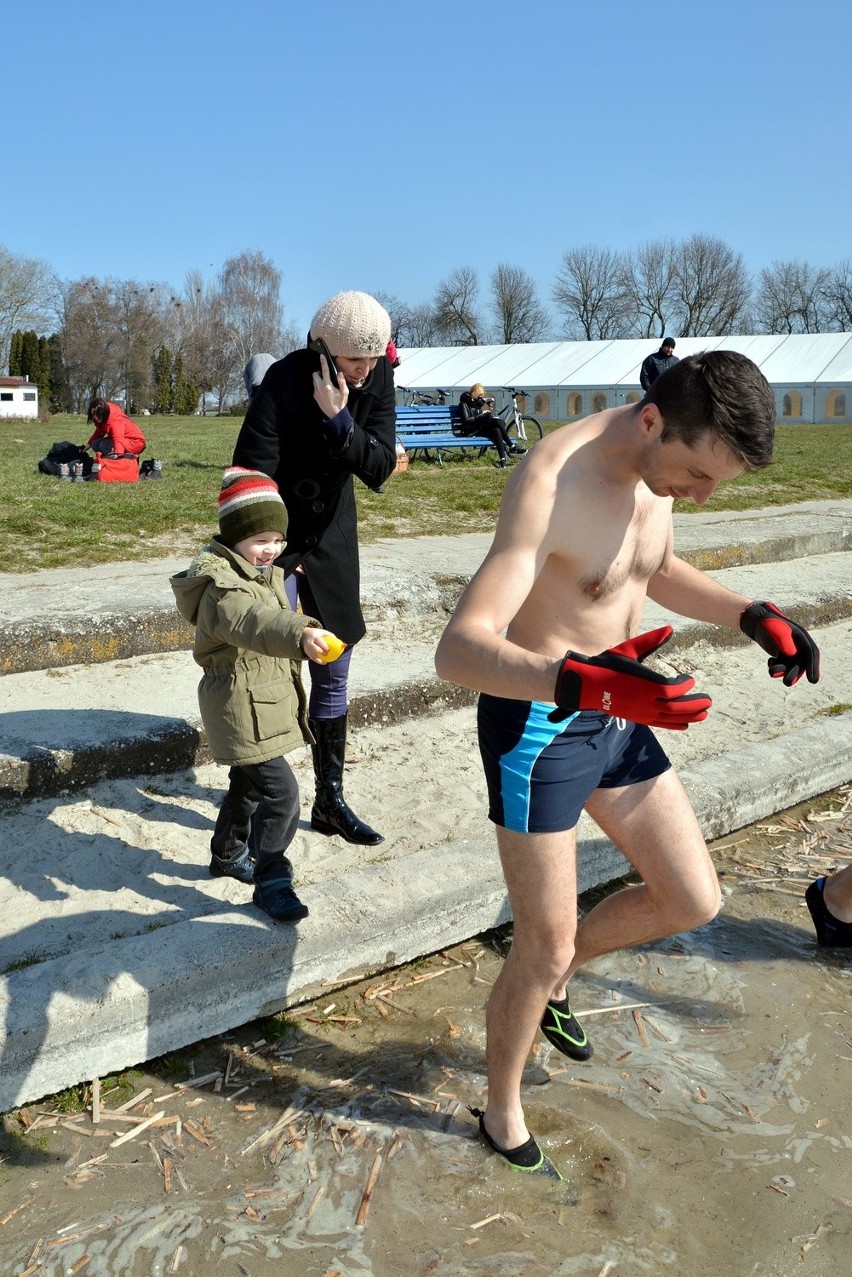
pixel 260 549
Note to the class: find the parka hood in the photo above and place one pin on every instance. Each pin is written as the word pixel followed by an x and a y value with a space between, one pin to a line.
pixel 215 564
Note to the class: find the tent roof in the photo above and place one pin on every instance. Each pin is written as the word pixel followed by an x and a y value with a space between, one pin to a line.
pixel 794 359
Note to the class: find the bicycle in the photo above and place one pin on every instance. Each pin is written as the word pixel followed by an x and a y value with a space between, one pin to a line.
pixel 416 397
pixel 517 423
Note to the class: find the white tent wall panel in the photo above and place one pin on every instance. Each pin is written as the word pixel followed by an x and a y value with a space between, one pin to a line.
pixel 811 373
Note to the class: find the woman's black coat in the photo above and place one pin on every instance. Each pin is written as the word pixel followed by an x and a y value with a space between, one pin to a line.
pixel 285 435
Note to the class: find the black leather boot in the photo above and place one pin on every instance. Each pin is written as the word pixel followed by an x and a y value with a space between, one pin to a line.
pixel 330 814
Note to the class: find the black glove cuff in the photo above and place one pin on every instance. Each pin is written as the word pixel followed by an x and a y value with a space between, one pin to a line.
pixel 752 617
pixel 568 685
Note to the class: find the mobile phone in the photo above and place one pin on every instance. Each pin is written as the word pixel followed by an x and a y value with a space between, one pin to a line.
pixel 318 345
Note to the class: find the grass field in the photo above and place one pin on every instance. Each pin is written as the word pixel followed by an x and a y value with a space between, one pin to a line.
pixel 46 524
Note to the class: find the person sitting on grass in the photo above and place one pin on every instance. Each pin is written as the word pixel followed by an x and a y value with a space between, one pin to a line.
pixel 115 435
pixel 247 641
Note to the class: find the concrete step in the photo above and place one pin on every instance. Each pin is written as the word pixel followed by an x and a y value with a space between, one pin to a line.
pixel 111 611
pixel 64 728
pixel 116 945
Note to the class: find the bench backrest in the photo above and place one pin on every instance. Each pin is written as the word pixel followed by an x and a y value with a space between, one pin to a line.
pixel 424 417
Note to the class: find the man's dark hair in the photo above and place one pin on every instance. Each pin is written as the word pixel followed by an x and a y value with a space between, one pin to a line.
pixel 722 392
pixel 98 411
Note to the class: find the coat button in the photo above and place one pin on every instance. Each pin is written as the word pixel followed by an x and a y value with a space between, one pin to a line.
pixel 318 507
pixel 310 541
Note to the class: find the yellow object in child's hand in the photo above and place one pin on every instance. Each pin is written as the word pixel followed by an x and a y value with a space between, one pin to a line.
pixel 336 647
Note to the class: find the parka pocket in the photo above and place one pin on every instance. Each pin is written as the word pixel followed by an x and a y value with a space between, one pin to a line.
pixel 274 709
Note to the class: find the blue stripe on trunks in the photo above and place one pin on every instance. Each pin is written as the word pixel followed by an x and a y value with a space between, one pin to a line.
pixel 516 767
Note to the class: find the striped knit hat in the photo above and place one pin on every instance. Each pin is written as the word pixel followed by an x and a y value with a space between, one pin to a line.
pixel 249 502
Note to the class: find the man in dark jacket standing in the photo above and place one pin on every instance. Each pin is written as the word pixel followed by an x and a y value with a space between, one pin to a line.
pixel 311 432
pixel 657 363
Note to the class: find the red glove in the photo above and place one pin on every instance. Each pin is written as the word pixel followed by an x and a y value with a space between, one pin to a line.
pixel 792 651
pixel 615 682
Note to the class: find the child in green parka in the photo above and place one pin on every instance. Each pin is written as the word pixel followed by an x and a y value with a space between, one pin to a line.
pixel 249 644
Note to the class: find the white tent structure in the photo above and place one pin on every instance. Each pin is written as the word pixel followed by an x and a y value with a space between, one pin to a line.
pixel 811 373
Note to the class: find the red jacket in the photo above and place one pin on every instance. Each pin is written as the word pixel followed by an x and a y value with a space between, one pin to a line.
pixel 124 434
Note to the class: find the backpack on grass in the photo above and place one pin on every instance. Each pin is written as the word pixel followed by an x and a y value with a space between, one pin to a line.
pixel 64 454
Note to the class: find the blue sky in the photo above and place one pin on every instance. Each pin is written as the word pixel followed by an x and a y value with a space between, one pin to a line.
pixel 381 146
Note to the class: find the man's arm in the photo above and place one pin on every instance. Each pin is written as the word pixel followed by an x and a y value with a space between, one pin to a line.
pixel 684 589
pixel 473 651
pixel 645 374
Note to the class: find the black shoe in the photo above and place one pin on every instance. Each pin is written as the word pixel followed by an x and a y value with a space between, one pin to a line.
pixel 280 902
pixel 527 1157
pixel 240 867
pixel 830 931
pixel 331 813
pixel 503 462
pixel 564 1031
pixel 517 451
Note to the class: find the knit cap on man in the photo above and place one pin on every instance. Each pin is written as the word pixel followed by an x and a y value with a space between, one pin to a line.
pixel 249 503
pixel 353 325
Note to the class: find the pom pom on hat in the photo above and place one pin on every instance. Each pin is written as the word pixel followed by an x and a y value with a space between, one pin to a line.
pixel 249 502
pixel 353 325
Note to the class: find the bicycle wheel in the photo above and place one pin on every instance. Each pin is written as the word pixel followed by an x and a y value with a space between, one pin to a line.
pixel 530 430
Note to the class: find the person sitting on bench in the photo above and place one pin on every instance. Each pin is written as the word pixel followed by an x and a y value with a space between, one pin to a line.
pixel 115 434
pixel 477 418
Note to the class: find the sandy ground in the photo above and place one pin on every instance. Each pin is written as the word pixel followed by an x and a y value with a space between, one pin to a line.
pixel 708 1134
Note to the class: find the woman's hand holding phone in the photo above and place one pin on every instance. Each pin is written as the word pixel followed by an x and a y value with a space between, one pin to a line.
pixel 330 397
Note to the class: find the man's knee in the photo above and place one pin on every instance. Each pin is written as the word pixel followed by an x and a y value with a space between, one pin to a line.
pixel 701 903
pixel 546 953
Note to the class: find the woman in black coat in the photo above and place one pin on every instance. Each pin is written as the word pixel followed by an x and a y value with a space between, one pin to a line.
pixel 311 433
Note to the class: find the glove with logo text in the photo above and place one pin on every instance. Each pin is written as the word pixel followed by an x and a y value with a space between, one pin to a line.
pixel 792 651
pixel 615 682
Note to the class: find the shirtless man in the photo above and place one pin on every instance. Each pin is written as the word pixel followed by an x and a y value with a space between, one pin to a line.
pixel 584 535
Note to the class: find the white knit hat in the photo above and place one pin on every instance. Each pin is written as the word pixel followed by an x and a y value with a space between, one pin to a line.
pixel 353 325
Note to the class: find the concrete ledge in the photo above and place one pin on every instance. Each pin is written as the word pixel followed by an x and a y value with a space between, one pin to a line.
pixel 95 1011
pixel 112 611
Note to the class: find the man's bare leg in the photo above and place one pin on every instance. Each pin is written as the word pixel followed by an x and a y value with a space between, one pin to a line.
pixel 655 827
pixel 541 879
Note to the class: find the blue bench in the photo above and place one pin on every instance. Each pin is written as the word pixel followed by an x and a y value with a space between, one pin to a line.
pixel 432 428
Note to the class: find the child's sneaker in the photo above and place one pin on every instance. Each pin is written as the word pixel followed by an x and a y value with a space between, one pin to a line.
pixel 279 901
pixel 240 867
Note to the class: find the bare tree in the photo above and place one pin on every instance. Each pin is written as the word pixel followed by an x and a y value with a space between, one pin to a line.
pixel 712 288
pixel 137 312
pixel 838 295
pixel 251 309
pixel 648 284
pixel 91 341
pixel 455 308
pixel 520 314
pixel 792 297
pixel 399 312
pixel 420 327
pixel 589 292
pixel 28 292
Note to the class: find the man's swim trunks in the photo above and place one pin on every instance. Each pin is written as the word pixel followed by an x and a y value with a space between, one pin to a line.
pixel 540 774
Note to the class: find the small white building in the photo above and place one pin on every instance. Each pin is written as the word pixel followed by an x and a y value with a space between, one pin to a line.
pixel 18 397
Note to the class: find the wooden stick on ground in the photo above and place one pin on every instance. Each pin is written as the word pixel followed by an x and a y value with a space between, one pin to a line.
pixel 361 1218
